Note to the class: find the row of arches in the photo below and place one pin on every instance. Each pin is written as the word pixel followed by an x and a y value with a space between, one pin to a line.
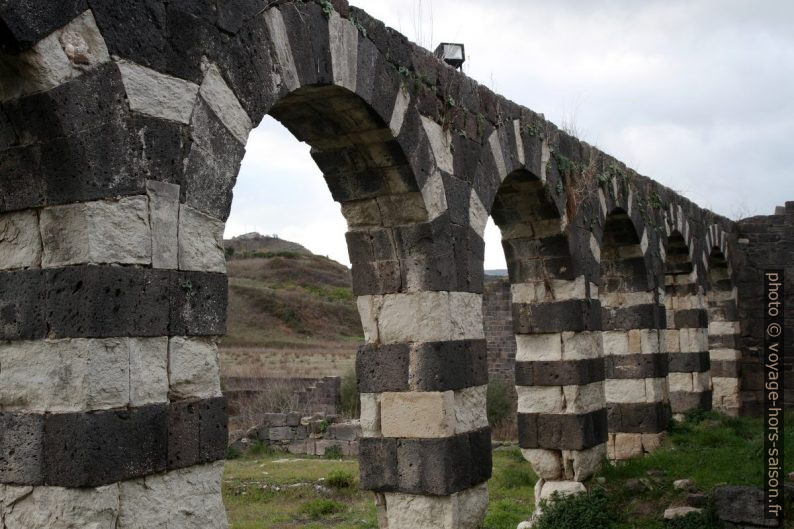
pixel 605 359
pixel 417 154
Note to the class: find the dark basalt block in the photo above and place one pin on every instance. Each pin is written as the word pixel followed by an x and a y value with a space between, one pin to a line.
pixel 562 431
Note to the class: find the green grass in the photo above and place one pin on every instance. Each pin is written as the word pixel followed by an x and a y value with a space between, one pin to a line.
pixel 276 491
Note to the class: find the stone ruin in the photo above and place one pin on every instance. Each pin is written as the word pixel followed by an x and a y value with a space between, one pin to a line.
pixel 122 128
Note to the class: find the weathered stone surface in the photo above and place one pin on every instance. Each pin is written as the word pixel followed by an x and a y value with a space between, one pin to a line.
pixel 62 508
pixel 82 374
pixel 164 221
pixel 20 240
pixel 672 513
pixel 186 499
pixel 62 55
pixel 741 505
pixel 97 233
pixel 193 368
pixel 22 460
pixel 562 488
pixel 547 464
pixel 220 98
pixel 463 510
pixel 421 317
pixel 200 241
pixel 418 414
pixel 562 431
pixel 158 95
pixel 88 450
pixel 581 464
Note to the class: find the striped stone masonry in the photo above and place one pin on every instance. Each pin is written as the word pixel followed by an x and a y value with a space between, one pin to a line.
pixel 724 328
pixel 636 362
pixel 686 336
pixel 422 376
pixel 120 144
pixel 559 380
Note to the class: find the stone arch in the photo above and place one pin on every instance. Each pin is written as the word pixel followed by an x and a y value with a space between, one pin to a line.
pixel 724 326
pixel 632 318
pixel 559 365
pixel 686 336
pixel 127 275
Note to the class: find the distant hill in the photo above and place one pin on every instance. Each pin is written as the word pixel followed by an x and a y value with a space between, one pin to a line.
pixel 251 243
pixel 282 295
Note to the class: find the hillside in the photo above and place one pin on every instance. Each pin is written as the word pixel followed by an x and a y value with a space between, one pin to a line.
pixel 291 313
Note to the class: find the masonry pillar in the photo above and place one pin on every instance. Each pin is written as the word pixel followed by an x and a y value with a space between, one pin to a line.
pixel 635 359
pixel 686 336
pixel 112 295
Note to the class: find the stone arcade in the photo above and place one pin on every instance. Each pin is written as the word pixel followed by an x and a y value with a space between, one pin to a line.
pixel 122 127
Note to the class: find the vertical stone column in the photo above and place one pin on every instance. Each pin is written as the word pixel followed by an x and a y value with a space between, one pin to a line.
pixel 724 348
pixel 686 336
pixel 426 446
pixel 724 329
pixel 635 373
pixel 560 382
pixel 112 291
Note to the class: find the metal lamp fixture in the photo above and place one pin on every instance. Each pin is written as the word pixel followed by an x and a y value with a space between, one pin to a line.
pixel 451 53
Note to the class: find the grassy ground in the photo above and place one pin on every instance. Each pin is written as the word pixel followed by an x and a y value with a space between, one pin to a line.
pixel 283 492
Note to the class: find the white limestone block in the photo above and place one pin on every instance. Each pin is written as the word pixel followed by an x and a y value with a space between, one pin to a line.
pixel 538 347
pixel 498 154
pixel 420 414
pixel 401 104
pixel 462 510
pixel 148 370
pixel 62 508
pixel 278 36
pixel 680 382
pixel 615 342
pixel 200 241
pixel 81 374
pixel 220 98
pixel 562 488
pixel 585 398
pixel 434 196
pixel 540 399
pixel 155 94
pixel 164 220
pixel 20 240
pixel 582 345
pixel 421 317
pixel 625 390
pixel 547 464
pixel 193 368
pixel 188 498
pixel 470 410
pixel 100 232
pixel 343 37
pixel 440 143
pixel 579 465
pixel 370 415
pixel 656 390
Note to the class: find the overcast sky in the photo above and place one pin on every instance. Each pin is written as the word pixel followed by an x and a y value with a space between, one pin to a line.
pixel 696 94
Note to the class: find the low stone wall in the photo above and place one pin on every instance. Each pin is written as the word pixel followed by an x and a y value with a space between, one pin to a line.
pixel 313 435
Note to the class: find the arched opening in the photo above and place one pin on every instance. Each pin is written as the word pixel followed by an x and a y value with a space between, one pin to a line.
pixel 723 334
pixel 635 363
pixel 559 364
pixel 686 336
